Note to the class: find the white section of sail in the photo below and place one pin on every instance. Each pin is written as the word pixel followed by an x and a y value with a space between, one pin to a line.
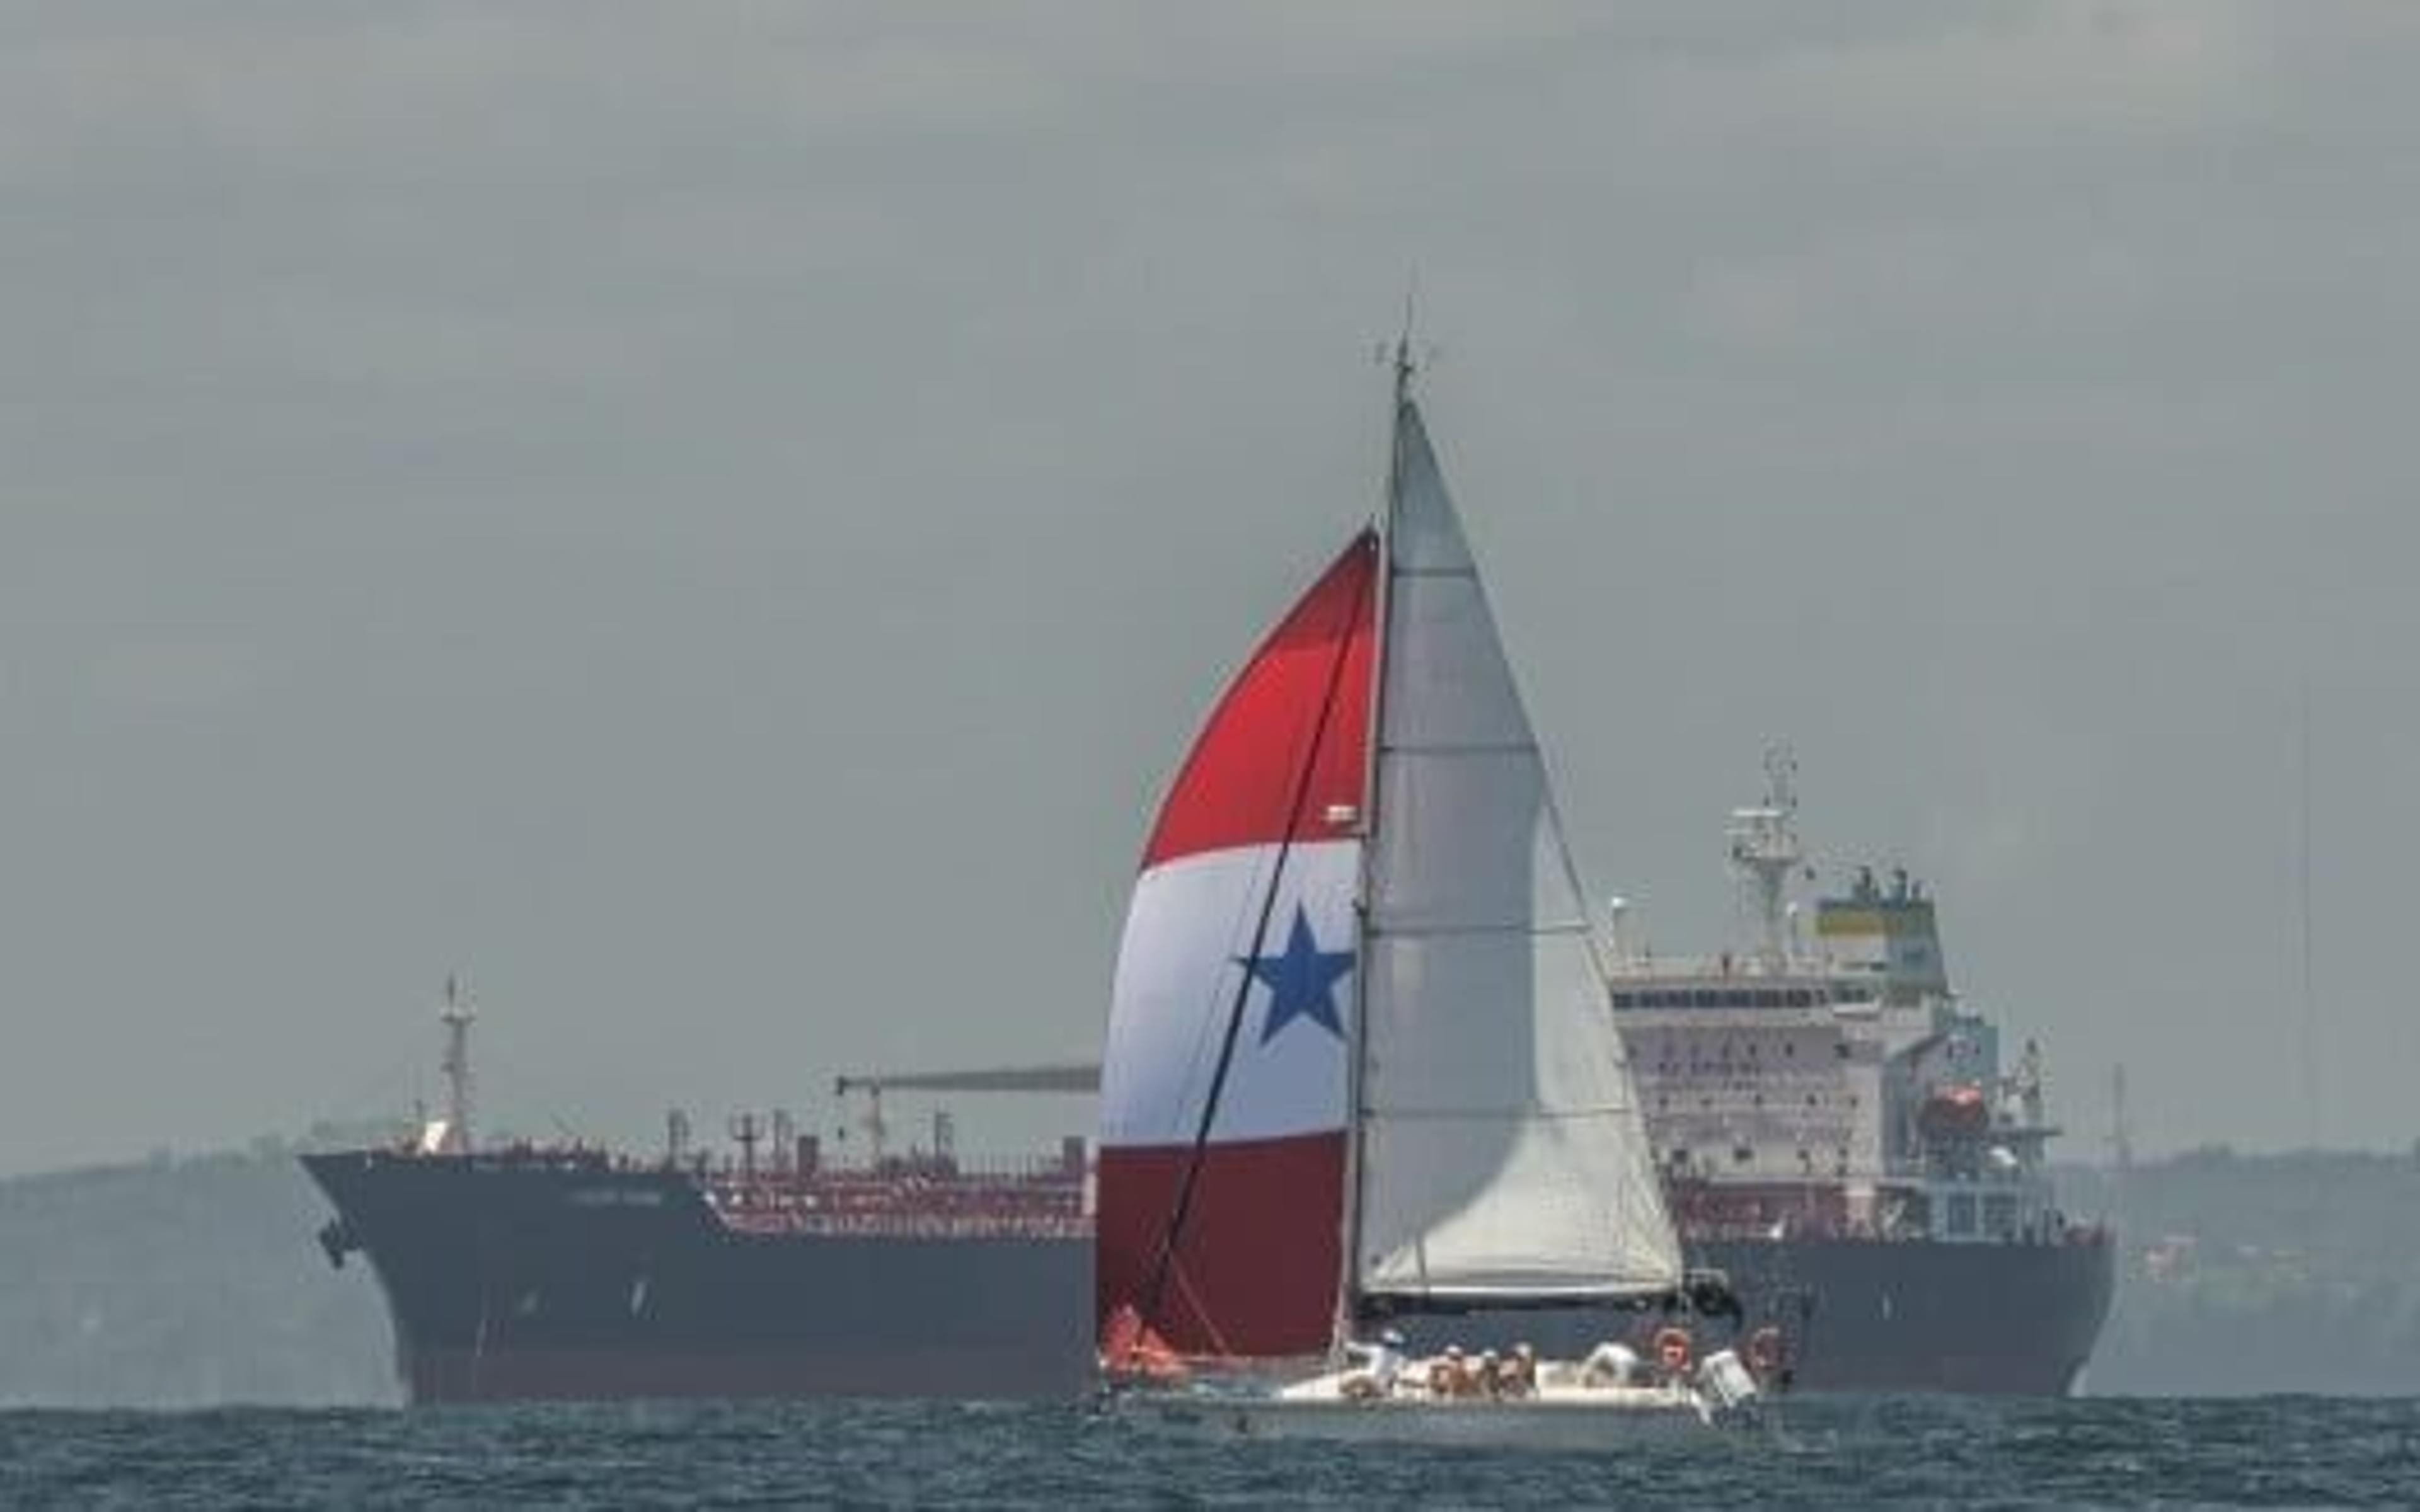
pixel 1189 934
pixel 1502 1150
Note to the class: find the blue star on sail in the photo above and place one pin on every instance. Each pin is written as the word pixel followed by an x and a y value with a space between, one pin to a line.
pixel 1301 981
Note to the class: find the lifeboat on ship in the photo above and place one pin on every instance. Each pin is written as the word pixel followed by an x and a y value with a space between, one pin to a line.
pixel 1954 1112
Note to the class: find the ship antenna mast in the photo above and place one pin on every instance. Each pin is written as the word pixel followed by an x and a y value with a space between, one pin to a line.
pixel 1765 851
pixel 2310 1037
pixel 457 1015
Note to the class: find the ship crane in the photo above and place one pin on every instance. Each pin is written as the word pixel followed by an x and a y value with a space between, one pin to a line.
pixel 1066 1078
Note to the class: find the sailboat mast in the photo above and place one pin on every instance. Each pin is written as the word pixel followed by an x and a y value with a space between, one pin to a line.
pixel 1347 1288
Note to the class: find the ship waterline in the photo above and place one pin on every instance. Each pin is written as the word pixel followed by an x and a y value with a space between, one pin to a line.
pixel 1871 1316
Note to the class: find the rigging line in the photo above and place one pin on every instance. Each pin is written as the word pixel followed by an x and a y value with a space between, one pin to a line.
pixel 1185 1189
pixel 1209 1325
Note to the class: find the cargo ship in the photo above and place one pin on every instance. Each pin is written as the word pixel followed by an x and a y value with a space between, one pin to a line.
pixel 1839 1134
pixel 1834 1127
pixel 565 1271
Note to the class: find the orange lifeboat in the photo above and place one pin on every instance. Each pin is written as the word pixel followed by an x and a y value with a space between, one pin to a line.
pixel 1957 1112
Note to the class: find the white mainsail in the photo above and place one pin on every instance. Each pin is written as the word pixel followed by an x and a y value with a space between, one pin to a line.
pixel 1501 1152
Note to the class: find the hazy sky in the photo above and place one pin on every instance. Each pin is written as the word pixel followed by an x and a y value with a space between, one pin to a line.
pixel 719 520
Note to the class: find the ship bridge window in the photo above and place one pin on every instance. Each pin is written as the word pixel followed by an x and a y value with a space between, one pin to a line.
pixel 2000 1216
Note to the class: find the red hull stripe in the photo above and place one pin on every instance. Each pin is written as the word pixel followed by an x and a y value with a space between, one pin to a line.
pixel 1239 783
pixel 1255 1268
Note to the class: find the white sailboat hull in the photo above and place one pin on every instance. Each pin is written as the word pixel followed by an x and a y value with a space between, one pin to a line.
pixel 1601 1403
pixel 1579 1422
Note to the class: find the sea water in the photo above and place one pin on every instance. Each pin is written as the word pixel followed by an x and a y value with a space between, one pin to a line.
pixel 1817 1452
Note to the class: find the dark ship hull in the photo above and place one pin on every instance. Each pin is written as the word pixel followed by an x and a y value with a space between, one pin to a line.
pixel 576 1279
pixel 510 1278
pixel 1868 1315
pixel 1878 1316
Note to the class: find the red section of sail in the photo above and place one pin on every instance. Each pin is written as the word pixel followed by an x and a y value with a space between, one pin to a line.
pixel 1253 1275
pixel 1240 784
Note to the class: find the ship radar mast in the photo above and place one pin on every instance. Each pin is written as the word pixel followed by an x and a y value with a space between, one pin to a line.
pixel 1764 850
pixel 453 1136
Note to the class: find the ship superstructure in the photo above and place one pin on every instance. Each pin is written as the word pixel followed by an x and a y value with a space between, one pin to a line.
pixel 1829 1116
pixel 1832 1085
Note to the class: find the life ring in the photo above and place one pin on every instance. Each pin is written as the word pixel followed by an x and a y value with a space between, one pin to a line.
pixel 1672 1348
pixel 1766 1351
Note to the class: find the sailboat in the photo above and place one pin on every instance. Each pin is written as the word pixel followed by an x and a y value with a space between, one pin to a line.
pixel 1361 1068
